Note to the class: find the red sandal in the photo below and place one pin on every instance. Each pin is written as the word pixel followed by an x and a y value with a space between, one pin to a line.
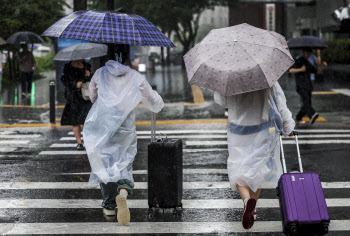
pixel 248 215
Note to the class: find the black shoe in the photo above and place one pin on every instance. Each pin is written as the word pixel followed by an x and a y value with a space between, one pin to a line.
pixel 314 118
pixel 80 147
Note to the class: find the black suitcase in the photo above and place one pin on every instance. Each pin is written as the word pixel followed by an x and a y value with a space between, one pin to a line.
pixel 164 172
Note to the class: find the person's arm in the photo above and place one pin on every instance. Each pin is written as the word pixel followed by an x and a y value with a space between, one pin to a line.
pixel 297 70
pixel 150 98
pixel 21 57
pixel 318 61
pixel 320 69
pixel 93 87
pixel 286 115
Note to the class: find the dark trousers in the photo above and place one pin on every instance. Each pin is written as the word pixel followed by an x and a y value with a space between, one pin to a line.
pixel 111 190
pixel 306 108
pixel 26 78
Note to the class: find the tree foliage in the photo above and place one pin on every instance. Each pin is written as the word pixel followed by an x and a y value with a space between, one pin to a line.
pixel 178 16
pixel 29 15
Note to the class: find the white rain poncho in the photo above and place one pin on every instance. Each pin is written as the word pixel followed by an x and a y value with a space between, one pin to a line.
pixel 255 122
pixel 109 131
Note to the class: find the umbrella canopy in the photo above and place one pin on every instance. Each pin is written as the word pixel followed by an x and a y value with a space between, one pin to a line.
pixel 306 42
pixel 2 42
pixel 81 51
pixel 109 27
pixel 24 37
pixel 238 59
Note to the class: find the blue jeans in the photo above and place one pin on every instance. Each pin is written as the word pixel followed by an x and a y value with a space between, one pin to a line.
pixel 111 190
pixel 26 78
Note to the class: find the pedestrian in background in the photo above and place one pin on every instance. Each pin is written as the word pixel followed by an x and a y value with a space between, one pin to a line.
pixel 27 65
pixel 2 66
pixel 302 70
pixel 316 61
pixel 75 73
pixel 256 121
pixel 110 132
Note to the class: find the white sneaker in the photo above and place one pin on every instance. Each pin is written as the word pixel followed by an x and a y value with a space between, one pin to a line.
pixel 108 212
pixel 123 215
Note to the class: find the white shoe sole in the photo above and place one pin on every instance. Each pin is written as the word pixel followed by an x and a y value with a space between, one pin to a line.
pixel 108 212
pixel 123 215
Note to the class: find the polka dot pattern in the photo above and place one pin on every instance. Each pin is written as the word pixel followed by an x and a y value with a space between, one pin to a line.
pixel 238 59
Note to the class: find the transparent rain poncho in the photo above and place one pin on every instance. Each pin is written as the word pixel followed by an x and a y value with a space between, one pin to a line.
pixel 255 122
pixel 109 130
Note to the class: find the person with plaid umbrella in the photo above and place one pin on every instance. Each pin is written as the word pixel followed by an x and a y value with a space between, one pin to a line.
pixel 115 90
pixel 110 132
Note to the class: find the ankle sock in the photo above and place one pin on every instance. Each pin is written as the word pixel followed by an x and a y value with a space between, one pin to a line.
pixel 245 201
pixel 124 193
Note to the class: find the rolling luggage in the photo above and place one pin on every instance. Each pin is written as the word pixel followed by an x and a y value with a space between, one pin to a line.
pixel 302 203
pixel 164 171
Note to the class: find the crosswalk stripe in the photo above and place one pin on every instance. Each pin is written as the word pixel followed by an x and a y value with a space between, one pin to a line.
pixel 224 143
pixel 19 136
pixel 185 171
pixel 76 152
pixel 7 149
pixel 138 185
pixel 14 142
pixel 343 91
pixel 225 136
pixel 140 228
pixel 224 131
pixel 143 203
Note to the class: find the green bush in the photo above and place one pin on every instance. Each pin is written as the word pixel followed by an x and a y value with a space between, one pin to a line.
pixel 338 52
pixel 45 63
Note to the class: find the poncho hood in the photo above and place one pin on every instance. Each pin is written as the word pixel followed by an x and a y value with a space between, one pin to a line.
pixel 115 68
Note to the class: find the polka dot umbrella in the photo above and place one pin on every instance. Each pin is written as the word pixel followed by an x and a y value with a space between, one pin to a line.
pixel 238 59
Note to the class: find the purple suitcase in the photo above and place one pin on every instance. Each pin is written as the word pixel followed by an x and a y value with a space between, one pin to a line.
pixel 302 203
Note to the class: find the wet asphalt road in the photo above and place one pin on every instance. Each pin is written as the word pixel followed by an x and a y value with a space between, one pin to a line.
pixel 43 178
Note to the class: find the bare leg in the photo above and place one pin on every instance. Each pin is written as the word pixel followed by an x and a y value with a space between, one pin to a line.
pixel 77 133
pixel 244 191
pixel 256 194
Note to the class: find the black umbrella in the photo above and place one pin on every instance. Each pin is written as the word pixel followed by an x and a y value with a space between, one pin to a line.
pixel 306 42
pixel 24 37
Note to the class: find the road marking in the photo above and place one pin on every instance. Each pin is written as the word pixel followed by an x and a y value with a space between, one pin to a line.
pixel 63 153
pixel 138 123
pixel 140 228
pixel 215 136
pixel 343 91
pixel 138 185
pixel 132 203
pixel 324 92
pixel 19 136
pixel 224 143
pixel 197 95
pixel 14 142
pixel 185 171
pixel 76 152
pixel 7 149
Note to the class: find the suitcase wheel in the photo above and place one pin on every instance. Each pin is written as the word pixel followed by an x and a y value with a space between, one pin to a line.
pixel 325 228
pixel 293 230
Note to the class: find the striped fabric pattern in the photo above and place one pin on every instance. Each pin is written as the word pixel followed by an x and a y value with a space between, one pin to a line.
pixel 109 27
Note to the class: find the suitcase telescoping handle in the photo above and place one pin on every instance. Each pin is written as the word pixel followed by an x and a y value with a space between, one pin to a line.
pixel 153 126
pixel 298 151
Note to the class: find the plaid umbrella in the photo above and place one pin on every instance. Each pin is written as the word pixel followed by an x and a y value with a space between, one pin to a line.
pixel 109 27
pixel 238 59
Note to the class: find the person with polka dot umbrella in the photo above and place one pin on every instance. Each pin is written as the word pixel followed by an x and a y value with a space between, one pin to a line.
pixel 241 65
